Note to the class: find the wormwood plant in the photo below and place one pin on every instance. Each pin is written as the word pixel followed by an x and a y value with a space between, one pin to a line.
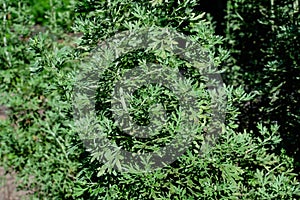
pixel 57 12
pixel 36 135
pixel 262 38
pixel 239 166
pixel 41 142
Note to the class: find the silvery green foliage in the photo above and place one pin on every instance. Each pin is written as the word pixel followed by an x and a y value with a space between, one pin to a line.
pixel 239 166
pixel 118 86
pixel 39 139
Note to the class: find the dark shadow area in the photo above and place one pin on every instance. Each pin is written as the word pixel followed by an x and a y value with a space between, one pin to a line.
pixel 262 41
pixel 217 9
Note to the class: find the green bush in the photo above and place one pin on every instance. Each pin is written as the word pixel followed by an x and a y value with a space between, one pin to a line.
pixel 262 37
pixel 37 134
pixel 41 141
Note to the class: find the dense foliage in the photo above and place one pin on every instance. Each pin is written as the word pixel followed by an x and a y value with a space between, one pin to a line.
pixel 262 38
pixel 43 45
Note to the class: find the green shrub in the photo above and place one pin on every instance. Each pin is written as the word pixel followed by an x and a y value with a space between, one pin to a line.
pixel 37 134
pixel 40 140
pixel 262 37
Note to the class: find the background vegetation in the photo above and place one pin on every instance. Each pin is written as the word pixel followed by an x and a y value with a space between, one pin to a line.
pixel 256 157
pixel 262 38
